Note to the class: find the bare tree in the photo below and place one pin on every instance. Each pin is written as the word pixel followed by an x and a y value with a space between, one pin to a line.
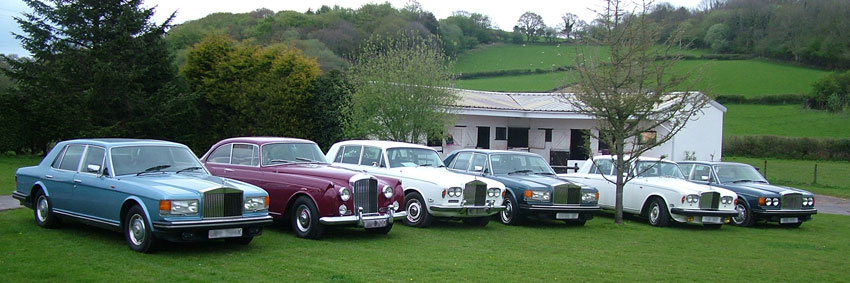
pixel 531 25
pixel 633 89
pixel 568 24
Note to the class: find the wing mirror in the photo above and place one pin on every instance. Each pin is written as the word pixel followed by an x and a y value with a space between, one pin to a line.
pixel 704 178
pixel 477 168
pixel 92 168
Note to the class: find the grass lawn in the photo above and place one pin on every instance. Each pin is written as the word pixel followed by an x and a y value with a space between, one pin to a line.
pixel 833 176
pixel 784 120
pixel 754 77
pixel 450 251
pixel 8 165
pixel 521 83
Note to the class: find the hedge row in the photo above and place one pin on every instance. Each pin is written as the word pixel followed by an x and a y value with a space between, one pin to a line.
pixel 773 99
pixel 787 147
pixel 515 72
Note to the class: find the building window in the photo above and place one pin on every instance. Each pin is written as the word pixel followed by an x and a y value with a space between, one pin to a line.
pixel 518 137
pixel 548 135
pixel 501 133
pixel 647 137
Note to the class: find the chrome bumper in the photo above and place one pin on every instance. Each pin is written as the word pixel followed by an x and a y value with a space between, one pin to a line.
pixel 703 212
pixel 213 223
pixel 464 210
pixel 358 219
pixel 786 212
pixel 561 208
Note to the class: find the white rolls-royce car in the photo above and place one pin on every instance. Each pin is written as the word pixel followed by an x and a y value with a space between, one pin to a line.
pixel 660 192
pixel 430 190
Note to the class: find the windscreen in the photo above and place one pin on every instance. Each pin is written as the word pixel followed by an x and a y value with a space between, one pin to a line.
pixel 517 163
pixel 280 153
pixel 138 159
pixel 412 157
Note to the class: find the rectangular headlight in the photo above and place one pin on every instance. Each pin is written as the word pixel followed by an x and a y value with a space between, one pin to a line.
pixel 588 196
pixel 178 207
pixel 256 203
pixel 540 195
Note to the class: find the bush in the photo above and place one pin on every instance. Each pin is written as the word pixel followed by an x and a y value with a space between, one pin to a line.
pixel 773 99
pixel 787 147
pixel 831 93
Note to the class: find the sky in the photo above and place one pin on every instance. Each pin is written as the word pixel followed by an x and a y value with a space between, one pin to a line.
pixel 503 14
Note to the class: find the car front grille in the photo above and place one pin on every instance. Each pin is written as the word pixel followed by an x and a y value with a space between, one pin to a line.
pixel 792 201
pixel 709 200
pixel 366 195
pixel 222 202
pixel 475 192
pixel 567 194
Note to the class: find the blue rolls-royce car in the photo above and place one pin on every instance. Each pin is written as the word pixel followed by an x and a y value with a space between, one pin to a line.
pixel 532 187
pixel 757 199
pixel 150 190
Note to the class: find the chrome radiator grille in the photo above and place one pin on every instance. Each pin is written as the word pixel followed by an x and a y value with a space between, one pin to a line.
pixel 792 201
pixel 366 195
pixel 222 202
pixel 709 200
pixel 475 193
pixel 566 194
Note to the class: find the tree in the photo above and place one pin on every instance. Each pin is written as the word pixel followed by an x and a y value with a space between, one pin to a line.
pixel 530 24
pixel 568 24
pixel 717 37
pixel 331 108
pixel 632 89
pixel 98 68
pixel 401 89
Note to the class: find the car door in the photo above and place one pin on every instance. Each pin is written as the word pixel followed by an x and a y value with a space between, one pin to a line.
pixel 93 192
pixel 598 176
pixel 219 159
pixel 59 179
pixel 244 164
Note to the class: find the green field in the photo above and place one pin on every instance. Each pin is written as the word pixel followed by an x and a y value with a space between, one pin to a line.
pixel 448 251
pixel 784 120
pixel 753 77
pixel 833 176
pixel 8 165
pixel 522 83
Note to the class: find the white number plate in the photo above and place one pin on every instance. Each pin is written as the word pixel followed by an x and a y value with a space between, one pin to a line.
pixel 564 215
pixel 375 223
pixel 225 233
pixel 476 211
pixel 711 219
pixel 784 220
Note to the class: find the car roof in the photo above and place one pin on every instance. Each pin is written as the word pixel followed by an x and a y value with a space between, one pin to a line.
pixel 263 140
pixel 114 142
pixel 642 158
pixel 493 151
pixel 383 144
pixel 714 163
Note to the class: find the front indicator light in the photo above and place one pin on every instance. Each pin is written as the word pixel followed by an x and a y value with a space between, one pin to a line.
pixel 164 206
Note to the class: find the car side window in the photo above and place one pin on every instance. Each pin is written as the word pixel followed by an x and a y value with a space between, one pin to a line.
pixel 371 156
pixel 245 154
pixel 462 161
pixel 702 173
pixel 449 159
pixel 221 154
pixel 59 158
pixel 71 160
pixel 686 169
pixel 94 156
pixel 480 161
pixel 602 166
pixel 351 154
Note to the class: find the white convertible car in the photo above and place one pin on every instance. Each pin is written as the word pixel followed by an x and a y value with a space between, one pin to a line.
pixel 429 189
pixel 659 192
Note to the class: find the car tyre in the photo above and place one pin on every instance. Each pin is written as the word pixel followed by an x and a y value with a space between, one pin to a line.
pixel 745 216
pixel 239 240
pixel 381 230
pixel 657 213
pixel 43 211
pixel 511 215
pixel 417 213
pixel 137 232
pixel 305 219
pixel 477 221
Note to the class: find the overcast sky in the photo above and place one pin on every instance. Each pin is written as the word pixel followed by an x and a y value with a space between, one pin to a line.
pixel 503 14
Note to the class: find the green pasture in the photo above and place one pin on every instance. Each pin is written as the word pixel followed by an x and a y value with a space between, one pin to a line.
pixel 521 83
pixel 8 165
pixel 833 176
pixel 784 120
pixel 751 77
pixel 447 251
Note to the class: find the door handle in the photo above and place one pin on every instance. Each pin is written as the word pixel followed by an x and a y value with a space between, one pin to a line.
pixel 78 181
pixel 48 176
pixel 228 170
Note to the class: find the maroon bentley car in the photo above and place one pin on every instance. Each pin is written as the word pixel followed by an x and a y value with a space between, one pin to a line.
pixel 305 188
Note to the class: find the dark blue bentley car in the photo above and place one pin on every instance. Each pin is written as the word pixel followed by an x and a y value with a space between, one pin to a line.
pixel 757 199
pixel 532 187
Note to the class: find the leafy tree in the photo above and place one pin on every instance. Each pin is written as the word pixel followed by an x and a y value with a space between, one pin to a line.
pixel 630 91
pixel 716 37
pixel 401 89
pixel 832 92
pixel 530 24
pixel 331 108
pixel 98 68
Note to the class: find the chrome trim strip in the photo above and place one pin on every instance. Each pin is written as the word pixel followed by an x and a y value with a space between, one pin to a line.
pixel 71 214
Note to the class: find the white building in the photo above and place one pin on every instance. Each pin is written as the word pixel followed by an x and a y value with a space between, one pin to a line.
pixel 545 124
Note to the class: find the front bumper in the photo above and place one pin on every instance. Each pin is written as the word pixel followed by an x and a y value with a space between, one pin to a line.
pixel 188 231
pixel 360 219
pixel 785 212
pixel 703 212
pixel 561 208
pixel 468 210
pixel 22 198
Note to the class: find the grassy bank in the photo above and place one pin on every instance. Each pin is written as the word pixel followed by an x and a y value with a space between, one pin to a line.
pixel 8 165
pixel 784 120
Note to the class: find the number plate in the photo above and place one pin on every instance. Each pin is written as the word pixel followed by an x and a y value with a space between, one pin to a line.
pixel 476 211
pixel 711 219
pixel 785 220
pixel 225 233
pixel 564 215
pixel 375 223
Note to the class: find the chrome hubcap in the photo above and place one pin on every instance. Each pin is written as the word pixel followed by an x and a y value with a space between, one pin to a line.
pixel 137 229
pixel 43 209
pixel 653 213
pixel 506 214
pixel 413 209
pixel 742 214
pixel 303 218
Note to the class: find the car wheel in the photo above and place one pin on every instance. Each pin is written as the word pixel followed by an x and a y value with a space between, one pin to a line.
pixel 511 215
pixel 43 210
pixel 381 230
pixel 712 226
pixel 791 225
pixel 137 232
pixel 239 240
pixel 744 217
pixel 417 213
pixel 477 221
pixel 657 213
pixel 305 219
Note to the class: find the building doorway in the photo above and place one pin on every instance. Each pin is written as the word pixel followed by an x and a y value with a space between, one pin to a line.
pixel 483 138
pixel 579 144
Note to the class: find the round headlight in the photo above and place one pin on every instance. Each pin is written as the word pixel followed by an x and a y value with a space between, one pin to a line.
pixel 768 201
pixel 396 207
pixel 457 191
pixel 344 194
pixel 388 192
pixel 342 209
pixel 775 202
